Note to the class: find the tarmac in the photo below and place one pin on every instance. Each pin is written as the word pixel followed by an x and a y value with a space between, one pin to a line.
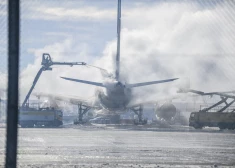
pixel 122 146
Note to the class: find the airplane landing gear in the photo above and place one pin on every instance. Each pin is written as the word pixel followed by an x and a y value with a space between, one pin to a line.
pixel 138 110
pixel 82 109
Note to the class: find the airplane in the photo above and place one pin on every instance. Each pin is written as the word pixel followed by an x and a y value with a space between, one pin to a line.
pixel 115 94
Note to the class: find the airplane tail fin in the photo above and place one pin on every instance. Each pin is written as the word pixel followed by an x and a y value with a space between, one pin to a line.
pixel 118 41
pixel 117 60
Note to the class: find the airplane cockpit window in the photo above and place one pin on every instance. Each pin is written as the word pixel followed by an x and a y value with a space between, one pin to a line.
pixel 121 83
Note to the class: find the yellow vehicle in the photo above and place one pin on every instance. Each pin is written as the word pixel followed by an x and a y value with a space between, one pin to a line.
pixel 223 120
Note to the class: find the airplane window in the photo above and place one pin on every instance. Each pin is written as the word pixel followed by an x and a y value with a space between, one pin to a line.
pixel 119 83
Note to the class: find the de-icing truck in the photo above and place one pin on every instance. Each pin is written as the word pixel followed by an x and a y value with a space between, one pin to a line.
pixel 48 117
pixel 30 117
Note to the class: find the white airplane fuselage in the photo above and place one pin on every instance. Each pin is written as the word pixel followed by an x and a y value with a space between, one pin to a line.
pixel 115 96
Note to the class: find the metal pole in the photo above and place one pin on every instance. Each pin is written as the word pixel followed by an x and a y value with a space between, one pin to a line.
pixel 1 108
pixel 13 80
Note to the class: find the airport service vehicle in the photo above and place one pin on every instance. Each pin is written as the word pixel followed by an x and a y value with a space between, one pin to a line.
pixel 30 116
pixel 48 117
pixel 214 115
pixel 224 120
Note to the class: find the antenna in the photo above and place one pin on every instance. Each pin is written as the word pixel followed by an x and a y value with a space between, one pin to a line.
pixel 118 40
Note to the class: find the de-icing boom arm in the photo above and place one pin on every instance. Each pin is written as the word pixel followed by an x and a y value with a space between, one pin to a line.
pixel 46 63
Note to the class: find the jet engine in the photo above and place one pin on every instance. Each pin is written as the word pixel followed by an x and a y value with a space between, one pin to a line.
pixel 166 111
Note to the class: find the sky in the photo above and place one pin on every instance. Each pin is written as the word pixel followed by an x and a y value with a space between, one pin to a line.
pixel 159 39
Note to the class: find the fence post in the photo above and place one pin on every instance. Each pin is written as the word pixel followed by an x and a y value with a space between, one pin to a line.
pixel 13 83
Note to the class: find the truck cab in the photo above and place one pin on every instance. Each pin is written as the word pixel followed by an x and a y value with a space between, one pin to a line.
pixel 194 120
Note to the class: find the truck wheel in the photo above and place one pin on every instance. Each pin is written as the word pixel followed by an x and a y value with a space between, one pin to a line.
pixel 222 127
pixel 232 127
pixel 197 126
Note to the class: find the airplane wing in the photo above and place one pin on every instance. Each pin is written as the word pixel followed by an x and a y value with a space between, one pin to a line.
pixel 84 81
pixel 69 99
pixel 150 83
pixel 225 94
pixel 127 85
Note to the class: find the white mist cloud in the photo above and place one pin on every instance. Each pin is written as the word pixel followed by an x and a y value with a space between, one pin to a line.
pixel 178 40
pixel 63 13
pixel 50 81
pixel 160 41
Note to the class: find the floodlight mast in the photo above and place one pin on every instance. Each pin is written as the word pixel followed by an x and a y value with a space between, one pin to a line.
pixel 46 66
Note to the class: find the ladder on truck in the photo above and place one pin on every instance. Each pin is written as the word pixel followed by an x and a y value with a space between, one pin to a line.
pixel 228 98
pixel 46 66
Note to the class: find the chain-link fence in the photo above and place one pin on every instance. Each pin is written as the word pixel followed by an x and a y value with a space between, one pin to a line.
pixel 159 40
pixel 3 76
pixel 3 58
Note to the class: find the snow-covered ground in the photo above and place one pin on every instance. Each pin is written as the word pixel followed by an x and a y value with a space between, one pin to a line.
pixel 88 146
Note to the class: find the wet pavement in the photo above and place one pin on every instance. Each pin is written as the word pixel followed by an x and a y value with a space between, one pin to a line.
pixel 93 146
